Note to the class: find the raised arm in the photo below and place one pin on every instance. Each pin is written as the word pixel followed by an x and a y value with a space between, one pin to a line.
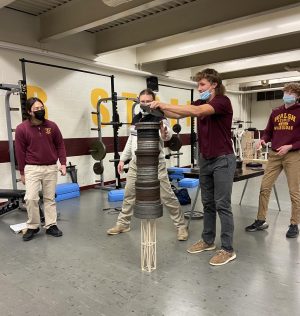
pixel 184 110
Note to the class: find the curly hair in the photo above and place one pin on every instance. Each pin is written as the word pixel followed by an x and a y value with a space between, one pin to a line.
pixel 292 88
pixel 213 77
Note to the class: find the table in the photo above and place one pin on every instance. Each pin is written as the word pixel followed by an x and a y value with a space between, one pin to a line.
pixel 245 173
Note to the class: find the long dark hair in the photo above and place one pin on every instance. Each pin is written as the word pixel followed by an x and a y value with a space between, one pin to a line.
pixel 29 103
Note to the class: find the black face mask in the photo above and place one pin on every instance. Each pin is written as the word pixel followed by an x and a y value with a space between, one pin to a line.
pixel 39 115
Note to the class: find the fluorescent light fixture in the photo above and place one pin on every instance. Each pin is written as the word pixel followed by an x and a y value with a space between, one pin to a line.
pixel 196 45
pixel 266 29
pixel 289 24
pixel 114 3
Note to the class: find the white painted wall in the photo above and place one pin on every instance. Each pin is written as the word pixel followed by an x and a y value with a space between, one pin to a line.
pixel 261 110
pixel 68 97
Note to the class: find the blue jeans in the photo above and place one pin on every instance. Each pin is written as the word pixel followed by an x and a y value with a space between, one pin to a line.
pixel 216 179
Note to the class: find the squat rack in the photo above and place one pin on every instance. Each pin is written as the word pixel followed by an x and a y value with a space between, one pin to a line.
pixel 11 89
pixel 23 66
pixel 193 137
pixel 116 124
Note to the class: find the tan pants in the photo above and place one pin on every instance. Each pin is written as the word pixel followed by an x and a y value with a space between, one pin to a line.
pixel 290 163
pixel 167 196
pixel 35 176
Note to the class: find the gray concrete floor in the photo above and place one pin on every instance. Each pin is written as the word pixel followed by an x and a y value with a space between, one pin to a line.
pixel 87 272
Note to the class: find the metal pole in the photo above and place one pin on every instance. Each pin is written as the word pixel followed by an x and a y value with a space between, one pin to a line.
pixel 23 91
pixel 10 140
pixel 193 135
pixel 115 129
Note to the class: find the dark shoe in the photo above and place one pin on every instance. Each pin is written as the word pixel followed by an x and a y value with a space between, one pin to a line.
pixel 30 234
pixel 257 225
pixel 293 231
pixel 54 231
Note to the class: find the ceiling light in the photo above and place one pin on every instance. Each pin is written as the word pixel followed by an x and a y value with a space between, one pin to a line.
pixel 266 29
pixel 289 24
pixel 115 3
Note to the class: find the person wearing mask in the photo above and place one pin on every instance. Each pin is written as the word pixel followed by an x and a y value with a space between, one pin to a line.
pixel 38 144
pixel 167 195
pixel 217 161
pixel 283 131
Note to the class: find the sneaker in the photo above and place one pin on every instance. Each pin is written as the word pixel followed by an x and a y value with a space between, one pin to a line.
pixel 182 233
pixel 200 246
pixel 118 229
pixel 257 225
pixel 222 257
pixel 293 231
pixel 54 231
pixel 30 233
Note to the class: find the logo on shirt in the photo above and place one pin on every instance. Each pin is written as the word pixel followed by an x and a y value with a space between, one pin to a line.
pixel 48 130
pixel 284 121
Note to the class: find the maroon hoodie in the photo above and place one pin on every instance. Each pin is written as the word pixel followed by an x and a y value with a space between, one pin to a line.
pixel 39 144
pixel 284 127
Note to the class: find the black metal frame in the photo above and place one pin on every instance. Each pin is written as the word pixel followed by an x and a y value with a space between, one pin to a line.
pixel 113 94
pixel 193 137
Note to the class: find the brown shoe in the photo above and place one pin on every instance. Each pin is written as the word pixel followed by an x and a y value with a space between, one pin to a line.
pixel 200 246
pixel 118 229
pixel 222 257
pixel 182 233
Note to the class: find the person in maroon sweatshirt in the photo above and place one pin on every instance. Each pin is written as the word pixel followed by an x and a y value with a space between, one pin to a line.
pixel 217 161
pixel 283 131
pixel 38 145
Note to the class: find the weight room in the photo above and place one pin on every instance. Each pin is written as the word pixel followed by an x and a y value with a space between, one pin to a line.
pixel 87 61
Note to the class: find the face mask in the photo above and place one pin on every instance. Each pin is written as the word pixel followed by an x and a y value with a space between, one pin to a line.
pixel 39 115
pixel 289 99
pixel 205 95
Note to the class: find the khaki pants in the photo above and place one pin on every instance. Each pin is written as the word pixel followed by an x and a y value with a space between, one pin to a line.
pixel 167 196
pixel 35 176
pixel 290 163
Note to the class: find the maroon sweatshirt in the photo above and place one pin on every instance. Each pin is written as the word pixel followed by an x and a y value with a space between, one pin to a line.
pixel 214 131
pixel 284 127
pixel 39 144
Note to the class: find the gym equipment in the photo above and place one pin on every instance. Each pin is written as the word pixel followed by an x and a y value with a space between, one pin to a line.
pixel 177 128
pixel 154 112
pixel 98 168
pixel 98 150
pixel 15 199
pixel 116 124
pixel 175 143
pixel 73 172
pixel 188 183
pixel 168 156
pixel 23 96
pixel 115 195
pixel 65 191
pixel 12 89
pixel 148 206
